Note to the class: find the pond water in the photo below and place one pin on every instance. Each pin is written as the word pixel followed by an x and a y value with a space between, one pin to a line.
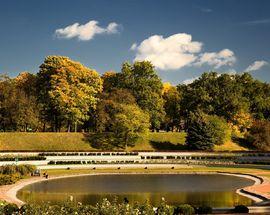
pixel 196 189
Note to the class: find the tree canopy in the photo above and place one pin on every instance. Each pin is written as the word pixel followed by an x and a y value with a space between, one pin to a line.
pixel 68 89
pixel 65 95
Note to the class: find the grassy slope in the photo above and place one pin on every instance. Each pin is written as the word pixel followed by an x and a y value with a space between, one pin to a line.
pixel 77 141
pixel 73 141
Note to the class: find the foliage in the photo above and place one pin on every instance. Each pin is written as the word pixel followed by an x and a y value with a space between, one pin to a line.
pixel 205 131
pixel 184 209
pixel 67 90
pixel 164 209
pixel 220 129
pixel 259 135
pixel 199 133
pixel 10 174
pixel 172 107
pixel 22 170
pixel 9 179
pixel 104 207
pixel 18 104
pixel 227 96
pixel 10 209
pixel 129 124
pixel 145 85
pixel 109 105
pixel 204 210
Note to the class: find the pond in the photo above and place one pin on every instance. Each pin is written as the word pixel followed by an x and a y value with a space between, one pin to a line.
pixel 197 189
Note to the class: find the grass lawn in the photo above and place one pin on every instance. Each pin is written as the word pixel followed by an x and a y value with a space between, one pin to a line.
pixel 47 141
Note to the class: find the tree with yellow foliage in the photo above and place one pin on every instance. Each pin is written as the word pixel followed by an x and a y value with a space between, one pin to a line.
pixel 67 90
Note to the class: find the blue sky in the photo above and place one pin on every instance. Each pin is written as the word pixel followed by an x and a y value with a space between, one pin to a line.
pixel 182 38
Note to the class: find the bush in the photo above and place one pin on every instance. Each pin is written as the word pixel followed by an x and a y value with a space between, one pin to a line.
pixel 13 169
pixel 10 174
pixel 241 209
pixel 23 158
pixel 184 209
pixel 204 210
pixel 10 209
pixel 9 179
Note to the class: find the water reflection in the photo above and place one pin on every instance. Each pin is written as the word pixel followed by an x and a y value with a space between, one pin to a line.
pixel 214 190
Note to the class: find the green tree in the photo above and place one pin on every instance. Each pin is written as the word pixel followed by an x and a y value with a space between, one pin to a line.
pixel 67 90
pixel 221 131
pixel 214 94
pixel 204 131
pixel 142 81
pixel 19 110
pixel 199 133
pixel 129 124
pixel 259 135
pixel 172 108
pixel 109 105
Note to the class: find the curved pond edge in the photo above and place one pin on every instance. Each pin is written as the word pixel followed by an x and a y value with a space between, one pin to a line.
pixel 8 193
pixel 256 197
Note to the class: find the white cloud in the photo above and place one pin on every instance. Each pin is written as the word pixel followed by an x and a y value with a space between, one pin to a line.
pixel 189 81
pixel 173 52
pixel 225 57
pixel 85 31
pixel 178 51
pixel 256 65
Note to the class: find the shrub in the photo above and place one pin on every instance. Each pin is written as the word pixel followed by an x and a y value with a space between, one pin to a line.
pixel 204 210
pixel 13 169
pixel 9 179
pixel 241 209
pixel 184 209
pixel 10 209
pixel 10 174
pixel 23 158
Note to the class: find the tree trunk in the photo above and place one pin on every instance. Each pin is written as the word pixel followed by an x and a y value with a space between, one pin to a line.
pixel 69 126
pixel 126 141
pixel 75 127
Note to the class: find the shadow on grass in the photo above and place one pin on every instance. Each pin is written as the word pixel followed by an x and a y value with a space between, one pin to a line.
pixel 167 146
pixel 103 141
pixel 243 142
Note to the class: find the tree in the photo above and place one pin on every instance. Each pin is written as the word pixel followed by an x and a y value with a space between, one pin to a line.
pixel 109 105
pixel 205 131
pixel 109 81
pixel 129 124
pixel 259 135
pixel 172 107
pixel 67 91
pixel 145 85
pixel 220 129
pixel 199 133
pixel 214 94
pixel 28 111
pixel 19 109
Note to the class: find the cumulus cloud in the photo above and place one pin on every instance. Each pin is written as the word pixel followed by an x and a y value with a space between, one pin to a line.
pixel 256 65
pixel 173 52
pixel 177 51
pixel 85 31
pixel 225 57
